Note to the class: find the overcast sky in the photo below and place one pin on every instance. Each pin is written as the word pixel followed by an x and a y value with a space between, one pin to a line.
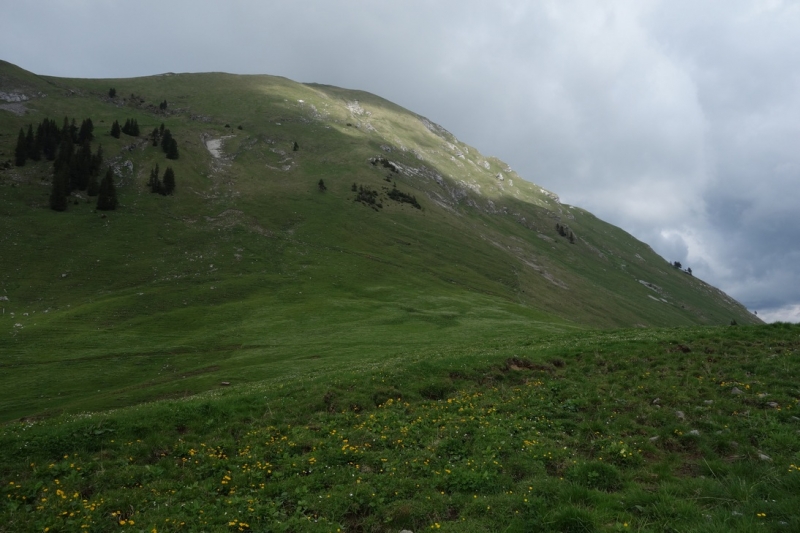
pixel 678 120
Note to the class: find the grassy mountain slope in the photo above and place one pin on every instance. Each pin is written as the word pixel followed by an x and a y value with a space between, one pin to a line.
pixel 250 270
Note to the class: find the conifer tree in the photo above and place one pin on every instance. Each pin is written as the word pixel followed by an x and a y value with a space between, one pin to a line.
pixel 172 150
pixel 92 185
pixel 169 145
pixel 21 151
pixel 154 136
pixel 64 154
pixel 168 186
pixel 73 131
pixel 58 193
pixel 83 164
pixel 36 154
pixel 107 196
pixel 321 185
pixel 112 92
pixel 50 139
pixel 86 131
pixel 154 182
pixel 166 139
pixel 30 143
pixel 115 130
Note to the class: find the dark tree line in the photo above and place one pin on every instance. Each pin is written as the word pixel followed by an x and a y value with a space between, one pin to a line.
pixel 78 169
pixel 403 198
pixel 163 137
pixel 45 142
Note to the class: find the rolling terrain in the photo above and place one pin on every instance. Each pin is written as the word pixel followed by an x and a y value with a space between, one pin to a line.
pixel 250 266
pixel 346 319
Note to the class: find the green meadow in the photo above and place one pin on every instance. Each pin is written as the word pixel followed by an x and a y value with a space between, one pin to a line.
pixel 258 353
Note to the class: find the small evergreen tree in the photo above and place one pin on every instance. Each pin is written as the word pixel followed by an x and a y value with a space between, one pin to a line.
pixel 172 153
pixel 63 155
pixel 166 139
pixel 73 131
pixel 154 136
pixel 107 196
pixel 86 133
pixel 322 186
pixel 168 187
pixel 58 193
pixel 154 182
pixel 83 166
pixel 163 105
pixel 30 143
pixel 112 92
pixel 21 151
pixel 36 153
pixel 50 139
pixel 115 130
pixel 571 237
pixel 169 145
pixel 296 147
pixel 93 186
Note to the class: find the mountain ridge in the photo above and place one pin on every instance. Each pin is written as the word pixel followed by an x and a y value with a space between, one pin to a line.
pixel 250 257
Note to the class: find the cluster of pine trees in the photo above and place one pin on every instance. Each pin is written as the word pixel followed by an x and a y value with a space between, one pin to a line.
pixel 164 186
pixel 44 143
pixel 564 231
pixel 163 105
pixel 131 128
pixel 168 143
pixel 79 169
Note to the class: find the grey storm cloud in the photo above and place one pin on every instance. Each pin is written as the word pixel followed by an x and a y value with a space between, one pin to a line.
pixel 678 121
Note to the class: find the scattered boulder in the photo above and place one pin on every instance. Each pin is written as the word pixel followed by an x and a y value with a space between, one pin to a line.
pixel 736 391
pixel 694 433
pixel 680 415
pixel 764 457
pixel 225 383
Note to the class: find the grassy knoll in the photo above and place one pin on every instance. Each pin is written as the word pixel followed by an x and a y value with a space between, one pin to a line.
pixel 682 429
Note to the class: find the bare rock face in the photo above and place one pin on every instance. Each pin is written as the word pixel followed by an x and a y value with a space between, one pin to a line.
pixel 13 97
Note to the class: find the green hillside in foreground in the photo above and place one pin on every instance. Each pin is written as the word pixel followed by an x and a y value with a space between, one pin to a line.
pixel 649 430
pixel 250 269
